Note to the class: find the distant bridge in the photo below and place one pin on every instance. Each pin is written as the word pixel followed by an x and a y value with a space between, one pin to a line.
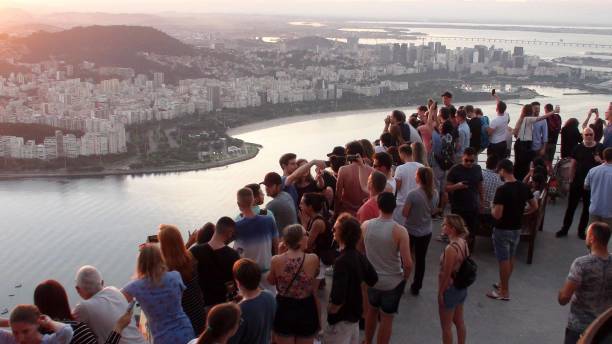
pixel 560 43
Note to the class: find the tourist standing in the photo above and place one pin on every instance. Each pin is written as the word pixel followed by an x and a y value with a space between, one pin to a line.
pixel 258 201
pixel 420 205
pixel 464 134
pixel 256 236
pixel 508 208
pixel 315 218
pixel 27 322
pixel 377 184
pixel 288 163
pixel 383 163
pixel 159 293
pixel 294 275
pixel 419 153
pixel 407 132
pixel 464 184
pixel 553 123
pixel 599 181
pixel 524 133
pixel 497 131
pixel 405 175
pixel 215 261
pixel 351 188
pixel 387 247
pixel 102 307
pixel 597 125
pixel 51 299
pixel 222 323
pixel 451 298
pixel 281 205
pixel 490 183
pixel 570 137
pixel 351 269
pixel 177 258
pixel 475 124
pixel 588 284
pixel 257 306
pixel 607 142
pixel 584 157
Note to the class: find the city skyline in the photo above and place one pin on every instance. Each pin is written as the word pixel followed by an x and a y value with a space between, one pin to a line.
pixel 586 13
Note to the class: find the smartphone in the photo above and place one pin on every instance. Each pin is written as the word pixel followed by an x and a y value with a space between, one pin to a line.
pixel 493 92
pixel 131 306
pixel 152 238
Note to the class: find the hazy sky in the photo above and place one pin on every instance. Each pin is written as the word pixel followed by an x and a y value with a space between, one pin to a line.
pixel 588 12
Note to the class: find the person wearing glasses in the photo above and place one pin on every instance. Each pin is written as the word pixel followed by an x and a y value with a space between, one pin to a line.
pixel 585 156
pixel 464 184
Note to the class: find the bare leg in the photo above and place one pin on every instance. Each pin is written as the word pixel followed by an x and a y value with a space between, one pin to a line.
pixel 459 324
pixel 505 270
pixel 370 324
pixel 385 328
pixel 446 320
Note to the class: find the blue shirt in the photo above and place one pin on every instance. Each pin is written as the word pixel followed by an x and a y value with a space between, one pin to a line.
pixel 540 135
pixel 162 305
pixel 464 138
pixel 292 191
pixel 607 142
pixel 257 320
pixel 254 239
pixel 599 181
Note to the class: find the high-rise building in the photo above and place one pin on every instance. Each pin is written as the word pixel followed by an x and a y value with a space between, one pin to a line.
pixel 59 139
pixel 50 144
pixel 158 79
pixel 214 96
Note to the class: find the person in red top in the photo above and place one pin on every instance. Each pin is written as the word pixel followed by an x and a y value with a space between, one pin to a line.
pixel 376 185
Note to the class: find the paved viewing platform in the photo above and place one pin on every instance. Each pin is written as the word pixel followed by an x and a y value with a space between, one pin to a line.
pixel 531 316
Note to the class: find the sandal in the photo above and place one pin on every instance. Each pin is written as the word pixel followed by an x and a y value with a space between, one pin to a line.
pixel 494 294
pixel 496 286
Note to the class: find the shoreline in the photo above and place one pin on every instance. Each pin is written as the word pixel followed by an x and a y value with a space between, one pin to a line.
pixel 142 171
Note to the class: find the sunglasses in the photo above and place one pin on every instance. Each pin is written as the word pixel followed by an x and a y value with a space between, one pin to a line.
pixel 587 134
pixel 469 160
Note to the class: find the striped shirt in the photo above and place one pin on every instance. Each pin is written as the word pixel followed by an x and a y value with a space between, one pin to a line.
pixel 82 333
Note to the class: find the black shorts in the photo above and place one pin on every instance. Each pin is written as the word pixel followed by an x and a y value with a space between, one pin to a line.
pixel 296 317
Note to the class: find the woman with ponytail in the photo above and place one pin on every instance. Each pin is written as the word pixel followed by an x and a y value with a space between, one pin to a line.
pixel 222 323
pixel 420 204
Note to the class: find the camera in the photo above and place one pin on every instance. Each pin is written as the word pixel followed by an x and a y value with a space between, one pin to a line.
pixel 152 239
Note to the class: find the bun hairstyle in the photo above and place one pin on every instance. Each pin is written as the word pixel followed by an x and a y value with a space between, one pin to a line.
pixel 457 223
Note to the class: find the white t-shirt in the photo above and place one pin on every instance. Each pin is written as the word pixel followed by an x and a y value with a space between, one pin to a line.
pixel 406 173
pixel 101 313
pixel 499 125
pixel 392 183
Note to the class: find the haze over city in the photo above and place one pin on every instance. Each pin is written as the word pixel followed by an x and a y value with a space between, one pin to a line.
pixel 534 12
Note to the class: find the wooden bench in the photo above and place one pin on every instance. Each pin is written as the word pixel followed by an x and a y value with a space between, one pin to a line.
pixel 532 223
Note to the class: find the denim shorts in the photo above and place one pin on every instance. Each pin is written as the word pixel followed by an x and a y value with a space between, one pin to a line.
pixel 386 300
pixel 505 243
pixel 454 297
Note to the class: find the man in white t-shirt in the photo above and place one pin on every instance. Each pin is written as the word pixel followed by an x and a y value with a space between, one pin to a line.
pixel 102 306
pixel 498 131
pixel 405 176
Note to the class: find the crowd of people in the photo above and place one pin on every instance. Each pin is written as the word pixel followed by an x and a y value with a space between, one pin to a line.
pixel 366 218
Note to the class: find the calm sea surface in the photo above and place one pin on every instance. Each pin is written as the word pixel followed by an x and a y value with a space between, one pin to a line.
pixel 50 227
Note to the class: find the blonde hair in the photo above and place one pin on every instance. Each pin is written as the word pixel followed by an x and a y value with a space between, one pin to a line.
pixel 150 264
pixel 457 223
pixel 174 252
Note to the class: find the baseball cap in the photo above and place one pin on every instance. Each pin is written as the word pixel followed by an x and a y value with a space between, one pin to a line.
pixel 447 94
pixel 272 178
pixel 337 151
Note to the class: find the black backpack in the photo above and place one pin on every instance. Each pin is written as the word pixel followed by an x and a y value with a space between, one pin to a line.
pixel 466 275
pixel 446 157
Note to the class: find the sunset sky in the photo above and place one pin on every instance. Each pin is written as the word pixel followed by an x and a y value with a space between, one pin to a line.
pixel 586 12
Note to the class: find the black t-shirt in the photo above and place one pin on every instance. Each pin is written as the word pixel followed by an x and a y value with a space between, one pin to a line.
pixel 598 128
pixel 475 125
pixel 570 138
pixel 513 196
pixel 350 269
pixel 585 159
pixel 554 128
pixel 465 199
pixel 214 270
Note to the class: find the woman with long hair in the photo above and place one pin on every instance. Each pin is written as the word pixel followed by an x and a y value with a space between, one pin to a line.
pixel 294 274
pixel 51 299
pixel 420 205
pixel 306 182
pixel 315 218
pixel 368 147
pixel 222 323
pixel 450 298
pixel 159 293
pixel 177 258
pixel 419 154
pixel 570 137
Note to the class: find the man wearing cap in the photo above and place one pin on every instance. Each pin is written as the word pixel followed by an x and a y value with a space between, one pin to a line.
pixel 281 205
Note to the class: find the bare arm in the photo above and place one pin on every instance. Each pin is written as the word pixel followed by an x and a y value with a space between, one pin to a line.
pixel 302 170
pixel 444 277
pixel 318 227
pixel 497 211
pixel 566 292
pixel 519 123
pixel 339 191
pixel 533 206
pixel 403 242
pixel 271 275
pixel 586 121
pixel 274 246
pixel 360 244
pixel 406 210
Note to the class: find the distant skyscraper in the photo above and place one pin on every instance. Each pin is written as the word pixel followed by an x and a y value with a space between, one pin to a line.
pixel 353 43
pixel 214 96
pixel 59 139
pixel 158 79
pixel 518 51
